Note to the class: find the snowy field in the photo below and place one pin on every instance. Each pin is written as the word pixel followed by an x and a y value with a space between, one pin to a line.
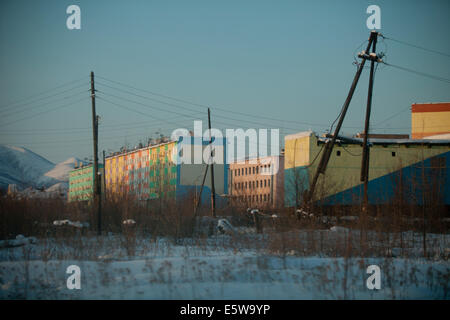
pixel 218 267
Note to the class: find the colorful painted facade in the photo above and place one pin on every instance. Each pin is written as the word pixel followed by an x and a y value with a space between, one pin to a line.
pixel 146 173
pixel 430 120
pixel 81 183
pixel 404 168
pixel 155 172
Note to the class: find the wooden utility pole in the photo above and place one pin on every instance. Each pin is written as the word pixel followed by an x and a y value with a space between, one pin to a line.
pixel 96 188
pixel 328 149
pixel 366 150
pixel 197 205
pixel 213 189
pixel 104 175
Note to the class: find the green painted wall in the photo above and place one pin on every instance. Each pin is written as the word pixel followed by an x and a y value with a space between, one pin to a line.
pixel 81 182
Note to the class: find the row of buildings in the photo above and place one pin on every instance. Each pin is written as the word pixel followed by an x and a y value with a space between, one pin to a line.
pixel 152 173
pixel 400 168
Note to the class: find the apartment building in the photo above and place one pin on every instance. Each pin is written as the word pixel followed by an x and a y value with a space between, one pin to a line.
pixel 153 172
pixel 257 182
pixel 81 182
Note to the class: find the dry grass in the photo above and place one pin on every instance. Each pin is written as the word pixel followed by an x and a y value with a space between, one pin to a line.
pixel 399 225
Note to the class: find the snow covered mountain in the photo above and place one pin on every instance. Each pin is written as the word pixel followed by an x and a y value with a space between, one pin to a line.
pixel 61 170
pixel 25 168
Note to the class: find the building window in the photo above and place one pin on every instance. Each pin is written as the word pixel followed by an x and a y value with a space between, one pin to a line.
pixel 393 153
pixel 338 153
pixel 265 183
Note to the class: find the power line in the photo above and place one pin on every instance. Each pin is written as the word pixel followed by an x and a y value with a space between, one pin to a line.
pixel 136 111
pixel 352 154
pixel 213 107
pixel 393 116
pixel 342 109
pixel 40 105
pixel 416 46
pixel 220 116
pixel 84 131
pixel 253 122
pixel 47 111
pixel 111 127
pixel 43 92
pixel 36 100
pixel 145 105
pixel 419 73
pixel 152 99
pixel 87 139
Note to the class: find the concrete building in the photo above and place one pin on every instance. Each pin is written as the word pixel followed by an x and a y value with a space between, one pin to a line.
pixel 257 182
pixel 81 182
pixel 430 120
pixel 156 172
pixel 411 169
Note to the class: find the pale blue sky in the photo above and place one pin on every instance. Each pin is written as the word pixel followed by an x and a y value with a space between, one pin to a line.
pixel 288 60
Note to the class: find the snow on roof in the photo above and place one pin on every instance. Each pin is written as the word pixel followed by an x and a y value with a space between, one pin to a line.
pixel 352 140
pixel 443 136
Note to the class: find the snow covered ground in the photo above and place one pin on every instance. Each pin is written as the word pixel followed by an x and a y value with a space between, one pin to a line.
pixel 114 267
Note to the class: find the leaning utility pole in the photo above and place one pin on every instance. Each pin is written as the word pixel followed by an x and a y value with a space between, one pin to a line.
pixel 366 150
pixel 330 144
pixel 213 189
pixel 199 199
pixel 96 188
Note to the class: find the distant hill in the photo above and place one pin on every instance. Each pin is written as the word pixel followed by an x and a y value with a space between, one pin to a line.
pixel 61 170
pixel 27 169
